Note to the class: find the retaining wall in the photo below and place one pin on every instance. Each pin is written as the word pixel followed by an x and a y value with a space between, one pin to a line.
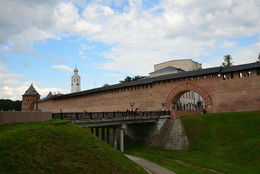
pixel 11 117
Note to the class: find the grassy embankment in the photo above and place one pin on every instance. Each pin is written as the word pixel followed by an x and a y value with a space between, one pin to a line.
pixel 219 143
pixel 58 147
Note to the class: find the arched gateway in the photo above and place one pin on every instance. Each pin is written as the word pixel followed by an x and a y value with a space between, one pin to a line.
pixel 178 91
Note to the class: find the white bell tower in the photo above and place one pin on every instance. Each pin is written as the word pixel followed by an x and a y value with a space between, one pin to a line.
pixel 75 81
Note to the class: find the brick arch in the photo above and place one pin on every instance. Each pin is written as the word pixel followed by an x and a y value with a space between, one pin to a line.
pixel 179 90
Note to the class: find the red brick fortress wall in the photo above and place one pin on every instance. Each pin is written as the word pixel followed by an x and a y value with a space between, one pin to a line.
pixel 236 91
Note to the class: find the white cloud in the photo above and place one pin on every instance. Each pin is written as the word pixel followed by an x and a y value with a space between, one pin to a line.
pixel 85 28
pixel 139 37
pixel 6 48
pixel 25 64
pixel 2 68
pixel 62 67
pixel 113 75
pixel 227 44
pixel 194 20
pixel 15 93
pixel 246 54
pixel 7 79
pixel 23 22
pixel 12 88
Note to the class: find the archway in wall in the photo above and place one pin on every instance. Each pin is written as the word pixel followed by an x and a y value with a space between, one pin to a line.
pixel 187 101
pixel 175 100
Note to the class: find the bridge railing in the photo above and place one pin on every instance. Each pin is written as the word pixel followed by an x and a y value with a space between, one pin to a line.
pixel 107 115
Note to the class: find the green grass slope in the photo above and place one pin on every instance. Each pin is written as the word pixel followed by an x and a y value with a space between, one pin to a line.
pixel 58 147
pixel 219 143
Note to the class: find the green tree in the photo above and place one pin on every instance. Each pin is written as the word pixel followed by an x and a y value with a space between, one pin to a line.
pixel 227 61
pixel 9 105
pixel 130 79
pixel 259 57
pixel 105 85
pixel 127 79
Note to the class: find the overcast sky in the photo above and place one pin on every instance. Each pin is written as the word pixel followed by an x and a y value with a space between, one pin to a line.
pixel 41 41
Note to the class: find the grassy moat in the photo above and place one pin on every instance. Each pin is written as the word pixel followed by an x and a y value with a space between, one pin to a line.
pixel 219 143
pixel 58 147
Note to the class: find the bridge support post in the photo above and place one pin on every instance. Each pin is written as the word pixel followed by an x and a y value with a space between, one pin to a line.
pixel 103 134
pixel 108 135
pixel 97 131
pixel 92 130
pixel 114 138
pixel 123 126
pixel 121 139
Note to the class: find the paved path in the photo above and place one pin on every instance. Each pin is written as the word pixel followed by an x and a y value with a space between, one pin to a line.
pixel 150 167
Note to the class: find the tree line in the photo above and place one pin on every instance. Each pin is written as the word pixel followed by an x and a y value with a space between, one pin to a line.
pixel 9 105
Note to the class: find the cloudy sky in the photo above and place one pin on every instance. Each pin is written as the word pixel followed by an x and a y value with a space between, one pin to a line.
pixel 41 42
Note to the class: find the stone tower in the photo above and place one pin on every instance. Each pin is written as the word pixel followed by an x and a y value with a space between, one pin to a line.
pixel 30 97
pixel 75 81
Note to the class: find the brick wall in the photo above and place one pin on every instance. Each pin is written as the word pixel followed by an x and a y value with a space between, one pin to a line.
pixel 28 102
pixel 220 95
pixel 11 117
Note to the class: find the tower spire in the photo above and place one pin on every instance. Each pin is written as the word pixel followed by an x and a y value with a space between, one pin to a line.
pixel 75 81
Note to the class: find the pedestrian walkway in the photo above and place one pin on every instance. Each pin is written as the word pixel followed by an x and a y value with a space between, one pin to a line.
pixel 150 167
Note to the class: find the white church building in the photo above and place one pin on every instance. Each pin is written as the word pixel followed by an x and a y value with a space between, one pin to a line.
pixel 75 81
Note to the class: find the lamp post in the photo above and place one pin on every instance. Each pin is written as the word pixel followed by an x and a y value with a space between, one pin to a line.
pixel 132 105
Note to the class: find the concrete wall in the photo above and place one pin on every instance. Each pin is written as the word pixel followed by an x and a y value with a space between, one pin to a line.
pixel 144 131
pixel 229 95
pixel 141 131
pixel 23 117
pixel 171 136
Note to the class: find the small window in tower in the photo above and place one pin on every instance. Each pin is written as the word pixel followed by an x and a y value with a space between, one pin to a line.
pixel 240 75
pixel 78 84
pixel 72 84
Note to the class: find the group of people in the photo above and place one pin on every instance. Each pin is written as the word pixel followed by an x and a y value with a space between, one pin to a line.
pixel 135 112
